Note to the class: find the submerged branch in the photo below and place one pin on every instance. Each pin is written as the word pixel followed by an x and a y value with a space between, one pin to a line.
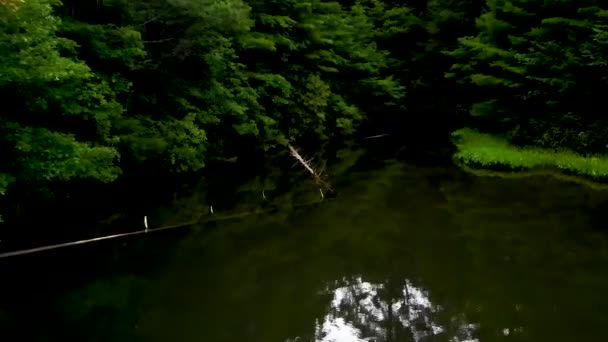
pixel 302 161
pixel 316 175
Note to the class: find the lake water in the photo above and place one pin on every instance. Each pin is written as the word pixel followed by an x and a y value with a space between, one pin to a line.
pixel 404 253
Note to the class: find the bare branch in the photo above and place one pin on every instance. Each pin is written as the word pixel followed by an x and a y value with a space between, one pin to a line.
pixel 157 41
pixel 154 18
pixel 150 20
pixel 317 176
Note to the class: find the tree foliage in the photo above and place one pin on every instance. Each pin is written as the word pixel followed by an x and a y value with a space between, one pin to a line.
pixel 175 83
pixel 539 69
pixel 57 113
pixel 95 88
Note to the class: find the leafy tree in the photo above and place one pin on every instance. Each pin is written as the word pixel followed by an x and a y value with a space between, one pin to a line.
pixel 170 85
pixel 58 116
pixel 538 68
pixel 314 60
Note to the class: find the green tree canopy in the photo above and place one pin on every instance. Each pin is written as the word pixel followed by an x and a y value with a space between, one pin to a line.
pixel 539 69
pixel 58 115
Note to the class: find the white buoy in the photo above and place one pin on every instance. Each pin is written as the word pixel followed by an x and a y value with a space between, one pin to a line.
pixel 146 223
pixel 263 194
pixel 322 196
pixel 211 209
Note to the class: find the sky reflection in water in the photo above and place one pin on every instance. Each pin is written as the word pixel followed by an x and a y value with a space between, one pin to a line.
pixel 414 311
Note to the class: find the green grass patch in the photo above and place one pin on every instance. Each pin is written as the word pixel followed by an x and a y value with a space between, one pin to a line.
pixel 479 150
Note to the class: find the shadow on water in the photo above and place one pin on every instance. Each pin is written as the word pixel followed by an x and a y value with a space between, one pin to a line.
pixel 405 253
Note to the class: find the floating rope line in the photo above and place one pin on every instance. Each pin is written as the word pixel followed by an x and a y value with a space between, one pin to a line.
pixel 82 242
pixel 146 230
pixel 316 176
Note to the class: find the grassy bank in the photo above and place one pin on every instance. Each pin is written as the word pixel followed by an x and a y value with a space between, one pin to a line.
pixel 485 151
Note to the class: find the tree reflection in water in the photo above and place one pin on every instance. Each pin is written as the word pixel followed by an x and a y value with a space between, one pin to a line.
pixel 365 312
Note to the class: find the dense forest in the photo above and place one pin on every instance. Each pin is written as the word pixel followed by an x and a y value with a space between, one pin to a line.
pixel 96 90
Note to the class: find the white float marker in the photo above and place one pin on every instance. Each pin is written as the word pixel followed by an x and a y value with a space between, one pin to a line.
pixel 146 223
pixel 211 209
pixel 263 194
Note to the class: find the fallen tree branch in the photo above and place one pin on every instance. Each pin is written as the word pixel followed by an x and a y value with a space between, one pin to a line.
pixel 316 176
pixel 157 41
pixel 302 161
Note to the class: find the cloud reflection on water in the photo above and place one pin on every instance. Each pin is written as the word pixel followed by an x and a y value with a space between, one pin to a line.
pixel 358 313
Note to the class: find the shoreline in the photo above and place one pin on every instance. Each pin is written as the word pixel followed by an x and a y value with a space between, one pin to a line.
pixel 486 155
pixel 557 174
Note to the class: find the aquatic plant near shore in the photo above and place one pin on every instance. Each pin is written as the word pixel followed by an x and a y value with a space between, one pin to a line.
pixel 480 150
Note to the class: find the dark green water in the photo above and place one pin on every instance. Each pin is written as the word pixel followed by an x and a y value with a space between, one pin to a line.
pixel 404 253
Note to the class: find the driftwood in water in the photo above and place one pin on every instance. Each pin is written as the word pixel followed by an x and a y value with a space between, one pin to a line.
pixel 317 176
